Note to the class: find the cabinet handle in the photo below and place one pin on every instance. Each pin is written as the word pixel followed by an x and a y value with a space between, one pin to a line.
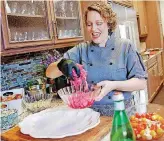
pixel 145 28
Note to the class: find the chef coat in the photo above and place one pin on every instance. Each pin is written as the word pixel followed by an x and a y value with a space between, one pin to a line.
pixel 117 61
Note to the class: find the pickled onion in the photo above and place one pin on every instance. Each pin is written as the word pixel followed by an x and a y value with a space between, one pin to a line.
pixel 80 99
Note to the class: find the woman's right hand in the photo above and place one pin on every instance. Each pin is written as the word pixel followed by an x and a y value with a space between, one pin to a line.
pixel 66 66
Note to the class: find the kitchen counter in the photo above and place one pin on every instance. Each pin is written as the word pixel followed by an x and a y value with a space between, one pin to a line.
pixel 95 134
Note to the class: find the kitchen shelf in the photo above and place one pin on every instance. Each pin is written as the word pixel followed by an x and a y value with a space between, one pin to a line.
pixel 25 15
pixel 67 18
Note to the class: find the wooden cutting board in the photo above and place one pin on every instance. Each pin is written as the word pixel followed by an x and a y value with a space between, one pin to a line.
pixel 95 134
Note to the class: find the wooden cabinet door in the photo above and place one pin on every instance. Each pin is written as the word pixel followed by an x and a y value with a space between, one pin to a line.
pixel 151 86
pixel 67 22
pixel 154 38
pixel 153 81
pixel 26 23
pixel 141 9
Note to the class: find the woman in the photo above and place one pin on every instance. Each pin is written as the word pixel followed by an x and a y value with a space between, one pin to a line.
pixel 110 62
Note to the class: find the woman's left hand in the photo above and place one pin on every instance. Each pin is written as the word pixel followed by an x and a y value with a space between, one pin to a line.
pixel 106 87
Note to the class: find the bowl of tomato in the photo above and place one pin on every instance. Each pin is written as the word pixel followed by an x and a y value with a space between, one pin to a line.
pixel 147 126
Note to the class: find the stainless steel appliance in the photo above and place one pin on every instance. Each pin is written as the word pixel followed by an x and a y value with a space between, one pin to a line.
pixel 127 24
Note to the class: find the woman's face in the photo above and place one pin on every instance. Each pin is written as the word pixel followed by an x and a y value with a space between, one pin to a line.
pixel 97 28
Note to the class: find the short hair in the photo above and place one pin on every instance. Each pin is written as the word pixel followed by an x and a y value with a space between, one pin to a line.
pixel 105 10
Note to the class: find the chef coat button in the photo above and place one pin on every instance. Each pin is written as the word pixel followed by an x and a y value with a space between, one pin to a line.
pixel 110 63
pixel 109 97
pixel 92 50
pixel 91 64
pixel 112 48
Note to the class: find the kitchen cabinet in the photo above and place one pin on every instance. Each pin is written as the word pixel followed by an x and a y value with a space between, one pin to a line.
pixel 160 67
pixel 155 37
pixel 155 74
pixel 29 26
pixel 140 7
pixel 66 20
pixel 26 24
pixel 152 81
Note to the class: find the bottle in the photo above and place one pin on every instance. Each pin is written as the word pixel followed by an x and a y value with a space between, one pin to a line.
pixel 121 127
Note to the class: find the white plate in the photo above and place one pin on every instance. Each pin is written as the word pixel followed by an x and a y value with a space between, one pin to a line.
pixel 59 122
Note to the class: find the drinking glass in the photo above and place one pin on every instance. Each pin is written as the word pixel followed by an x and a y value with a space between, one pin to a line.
pixel 34 8
pixel 71 33
pixel 63 9
pixel 71 9
pixel 60 33
pixel 25 36
pixel 42 8
pixel 8 10
pixel 24 9
pixel 66 33
pixel 75 32
pixel 21 37
pixel 43 34
pixel 15 36
pixel 33 35
pixel 79 32
pixel 14 7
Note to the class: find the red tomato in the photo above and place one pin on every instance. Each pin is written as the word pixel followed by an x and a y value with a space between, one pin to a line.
pixel 144 126
pixel 153 127
pixel 149 116
pixel 136 131
pixel 162 126
pixel 139 127
pixel 137 115
pixel 143 115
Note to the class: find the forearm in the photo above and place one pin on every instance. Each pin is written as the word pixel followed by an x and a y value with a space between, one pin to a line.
pixel 132 84
pixel 52 71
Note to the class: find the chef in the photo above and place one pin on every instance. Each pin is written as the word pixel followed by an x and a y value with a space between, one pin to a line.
pixel 111 63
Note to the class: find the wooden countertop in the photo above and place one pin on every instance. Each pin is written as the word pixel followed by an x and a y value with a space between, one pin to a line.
pixel 95 134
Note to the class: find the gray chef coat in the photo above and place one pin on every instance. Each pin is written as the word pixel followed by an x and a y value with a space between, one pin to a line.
pixel 118 61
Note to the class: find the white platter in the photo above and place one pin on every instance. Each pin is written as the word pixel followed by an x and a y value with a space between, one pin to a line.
pixel 59 122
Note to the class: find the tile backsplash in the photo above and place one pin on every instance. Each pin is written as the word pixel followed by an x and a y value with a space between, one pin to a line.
pixel 17 70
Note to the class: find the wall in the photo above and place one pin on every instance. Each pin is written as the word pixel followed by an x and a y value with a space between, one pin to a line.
pixel 17 70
